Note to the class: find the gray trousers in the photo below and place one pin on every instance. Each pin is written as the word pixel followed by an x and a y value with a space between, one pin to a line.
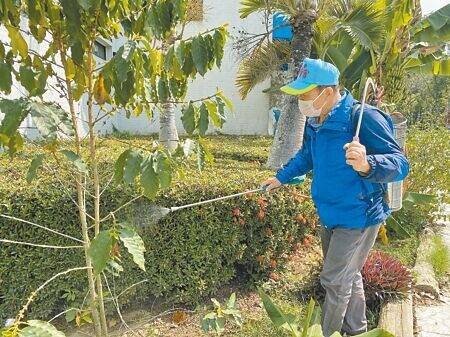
pixel 345 251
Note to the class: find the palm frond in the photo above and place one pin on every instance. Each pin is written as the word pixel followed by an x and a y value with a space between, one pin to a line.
pixel 364 24
pixel 260 65
pixel 252 6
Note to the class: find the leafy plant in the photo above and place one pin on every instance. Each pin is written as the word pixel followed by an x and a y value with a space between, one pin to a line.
pixel 410 202
pixel 207 234
pixel 216 319
pixel 384 277
pixel 311 323
pixel 145 73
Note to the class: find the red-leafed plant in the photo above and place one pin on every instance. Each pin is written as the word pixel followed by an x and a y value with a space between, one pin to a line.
pixel 385 277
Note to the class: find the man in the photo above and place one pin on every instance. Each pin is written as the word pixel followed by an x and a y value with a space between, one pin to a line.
pixel 349 181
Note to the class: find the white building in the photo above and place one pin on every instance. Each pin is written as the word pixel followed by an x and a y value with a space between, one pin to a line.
pixel 250 117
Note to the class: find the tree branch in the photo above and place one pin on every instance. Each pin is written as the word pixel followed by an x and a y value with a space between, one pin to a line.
pixel 39 226
pixel 37 245
pixel 121 207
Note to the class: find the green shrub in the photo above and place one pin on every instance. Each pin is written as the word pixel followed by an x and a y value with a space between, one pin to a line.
pixel 439 258
pixel 429 158
pixel 190 253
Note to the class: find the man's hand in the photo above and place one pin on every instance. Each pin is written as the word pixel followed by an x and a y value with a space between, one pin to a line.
pixel 271 184
pixel 356 157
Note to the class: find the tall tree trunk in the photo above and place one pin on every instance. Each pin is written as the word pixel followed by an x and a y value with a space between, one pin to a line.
pixel 289 133
pixel 168 135
pixel 291 124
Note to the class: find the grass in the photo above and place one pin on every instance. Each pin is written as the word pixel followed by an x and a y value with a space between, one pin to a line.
pixel 403 250
pixel 439 258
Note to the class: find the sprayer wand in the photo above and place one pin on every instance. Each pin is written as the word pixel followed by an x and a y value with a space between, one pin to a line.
pixel 363 102
pixel 293 182
pixel 172 209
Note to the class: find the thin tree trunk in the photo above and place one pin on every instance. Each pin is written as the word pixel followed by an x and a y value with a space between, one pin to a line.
pixel 289 134
pixel 82 205
pixel 96 182
pixel 168 135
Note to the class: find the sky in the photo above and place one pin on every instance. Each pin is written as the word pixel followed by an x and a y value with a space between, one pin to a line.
pixel 429 6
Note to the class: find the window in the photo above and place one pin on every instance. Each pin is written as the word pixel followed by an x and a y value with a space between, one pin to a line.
pixel 195 10
pixel 100 50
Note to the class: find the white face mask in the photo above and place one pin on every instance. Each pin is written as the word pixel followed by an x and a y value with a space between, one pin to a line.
pixel 308 109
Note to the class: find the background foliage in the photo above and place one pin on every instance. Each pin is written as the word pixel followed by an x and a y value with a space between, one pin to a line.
pixel 189 254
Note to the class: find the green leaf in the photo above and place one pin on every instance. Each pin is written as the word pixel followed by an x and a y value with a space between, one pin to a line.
pixel 216 112
pixel 15 143
pixel 134 244
pixel 307 320
pixel 203 154
pixel 164 12
pixel 225 100
pixel 77 53
pixel 76 161
pixel 71 10
pixel 433 28
pixel 220 325
pixel 188 66
pixel 5 75
pixel 18 43
pixel 180 53
pixel 132 167
pixel 40 328
pixel 149 178
pixel 231 301
pixel 15 112
pixel 410 199
pixel 119 166
pixel 276 315
pixel 163 90
pixel 28 78
pixel 99 251
pixel 200 54
pixel 2 52
pixel 397 228
pixel 377 332
pixel 70 315
pixel 219 45
pixel 168 59
pixel 36 163
pixel 221 113
pixel 49 119
pixel 203 121
pixel 163 169
pixel 188 118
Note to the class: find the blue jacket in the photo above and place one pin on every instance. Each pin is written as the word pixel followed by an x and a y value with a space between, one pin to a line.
pixel 342 196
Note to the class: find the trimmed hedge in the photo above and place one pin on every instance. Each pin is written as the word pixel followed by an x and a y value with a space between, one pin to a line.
pixel 190 253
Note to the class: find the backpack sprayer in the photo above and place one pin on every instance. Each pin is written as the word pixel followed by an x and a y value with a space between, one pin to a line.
pixel 395 189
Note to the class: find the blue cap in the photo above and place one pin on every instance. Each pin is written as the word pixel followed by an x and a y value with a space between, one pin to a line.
pixel 313 73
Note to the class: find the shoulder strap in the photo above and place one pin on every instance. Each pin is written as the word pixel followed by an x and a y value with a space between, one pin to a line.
pixel 355 114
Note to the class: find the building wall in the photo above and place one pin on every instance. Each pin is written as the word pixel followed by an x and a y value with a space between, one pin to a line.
pixel 250 117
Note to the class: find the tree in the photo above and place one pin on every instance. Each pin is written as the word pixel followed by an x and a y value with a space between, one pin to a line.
pixel 263 58
pixel 385 40
pixel 144 74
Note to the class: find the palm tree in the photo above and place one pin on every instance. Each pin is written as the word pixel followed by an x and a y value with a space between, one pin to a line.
pixel 344 34
pixel 262 59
